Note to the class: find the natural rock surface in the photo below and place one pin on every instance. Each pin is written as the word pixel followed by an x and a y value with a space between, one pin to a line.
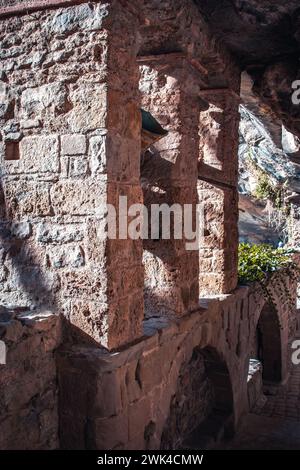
pixel 260 157
pixel 264 36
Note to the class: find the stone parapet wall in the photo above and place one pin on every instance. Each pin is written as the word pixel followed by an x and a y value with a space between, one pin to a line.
pixel 28 380
pixel 124 400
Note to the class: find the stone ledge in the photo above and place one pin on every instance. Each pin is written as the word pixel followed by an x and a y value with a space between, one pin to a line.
pixel 25 7
pixel 14 321
pixel 34 5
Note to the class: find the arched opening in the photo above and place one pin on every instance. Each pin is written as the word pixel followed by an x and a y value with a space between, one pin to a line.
pixel 169 183
pixel 265 365
pixel 201 411
pixel 268 341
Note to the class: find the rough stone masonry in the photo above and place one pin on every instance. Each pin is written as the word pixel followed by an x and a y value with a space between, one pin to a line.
pixel 138 353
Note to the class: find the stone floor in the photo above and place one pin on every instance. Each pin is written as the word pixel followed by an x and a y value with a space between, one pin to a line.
pixel 275 424
pixel 266 433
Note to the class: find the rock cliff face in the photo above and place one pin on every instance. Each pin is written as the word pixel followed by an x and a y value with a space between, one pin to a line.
pixel 269 181
pixel 265 38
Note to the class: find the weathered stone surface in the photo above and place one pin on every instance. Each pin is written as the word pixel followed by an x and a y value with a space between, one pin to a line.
pixel 78 167
pixel 5 101
pixel 27 197
pixel 97 154
pixel 85 17
pixel 50 98
pixel 78 197
pixel 89 108
pixel 39 154
pixel 65 257
pixel 73 144
pixel 29 402
pixel 202 367
pixel 69 102
pixel 59 233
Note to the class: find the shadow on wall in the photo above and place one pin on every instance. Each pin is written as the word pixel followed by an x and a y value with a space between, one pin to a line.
pixel 201 411
pixel 268 340
pixel 27 282
pixel 164 260
pixel 23 278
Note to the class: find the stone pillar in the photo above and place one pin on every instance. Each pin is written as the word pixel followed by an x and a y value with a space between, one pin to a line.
pixel 169 175
pixel 217 190
pixel 71 145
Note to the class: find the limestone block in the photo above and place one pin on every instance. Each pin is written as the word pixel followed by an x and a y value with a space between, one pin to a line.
pixel 87 17
pixel 150 370
pixel 26 198
pixel 39 154
pixel 55 233
pixel 65 257
pixel 50 99
pixel 88 316
pixel 89 108
pixel 83 282
pixel 30 123
pixel 97 154
pixel 73 144
pixel 5 101
pixel 80 197
pixel 78 167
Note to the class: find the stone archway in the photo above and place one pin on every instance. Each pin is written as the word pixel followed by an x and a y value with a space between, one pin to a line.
pixel 268 342
pixel 201 411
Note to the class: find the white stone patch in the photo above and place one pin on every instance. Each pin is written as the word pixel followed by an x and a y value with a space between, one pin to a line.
pixel 97 154
pixel 73 144
pixel 85 17
pixel 60 233
pixel 36 101
pixel 39 154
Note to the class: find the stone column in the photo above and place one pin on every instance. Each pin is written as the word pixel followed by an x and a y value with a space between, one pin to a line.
pixel 217 190
pixel 72 124
pixel 169 175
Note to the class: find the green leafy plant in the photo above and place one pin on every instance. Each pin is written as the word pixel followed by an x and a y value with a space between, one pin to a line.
pixel 266 189
pixel 256 262
pixel 261 263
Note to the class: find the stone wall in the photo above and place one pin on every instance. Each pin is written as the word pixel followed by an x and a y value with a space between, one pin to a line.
pixel 70 145
pixel 70 129
pixel 169 176
pixel 217 190
pixel 124 400
pixel 191 405
pixel 65 111
pixel 28 380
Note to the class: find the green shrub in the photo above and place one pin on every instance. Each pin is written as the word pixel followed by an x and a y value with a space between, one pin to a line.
pixel 266 190
pixel 256 262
